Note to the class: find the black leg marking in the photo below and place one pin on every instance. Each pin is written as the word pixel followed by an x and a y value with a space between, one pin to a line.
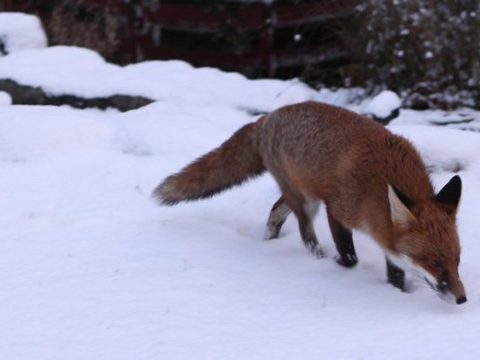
pixel 278 215
pixel 395 275
pixel 343 242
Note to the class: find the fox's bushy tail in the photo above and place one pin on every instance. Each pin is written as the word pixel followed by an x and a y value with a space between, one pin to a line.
pixel 235 161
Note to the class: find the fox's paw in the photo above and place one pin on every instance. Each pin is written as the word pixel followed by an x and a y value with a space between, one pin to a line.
pixel 316 250
pixel 348 261
pixel 271 232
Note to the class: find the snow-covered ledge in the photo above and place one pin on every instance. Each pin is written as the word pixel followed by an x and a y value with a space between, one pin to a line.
pixel 68 72
pixel 29 95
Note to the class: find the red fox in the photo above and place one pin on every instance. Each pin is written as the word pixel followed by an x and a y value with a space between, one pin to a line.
pixel 368 178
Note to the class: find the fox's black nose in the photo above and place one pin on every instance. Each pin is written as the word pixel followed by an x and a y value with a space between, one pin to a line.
pixel 461 300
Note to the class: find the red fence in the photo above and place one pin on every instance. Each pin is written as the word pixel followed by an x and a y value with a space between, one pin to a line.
pixel 251 37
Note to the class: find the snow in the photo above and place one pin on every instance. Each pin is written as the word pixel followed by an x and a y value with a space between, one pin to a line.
pixel 462 155
pixel 92 269
pixel 19 31
pixel 382 105
pixel 5 98
pixel 85 73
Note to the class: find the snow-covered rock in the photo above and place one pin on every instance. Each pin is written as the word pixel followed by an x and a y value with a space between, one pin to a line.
pixel 19 31
pixel 384 107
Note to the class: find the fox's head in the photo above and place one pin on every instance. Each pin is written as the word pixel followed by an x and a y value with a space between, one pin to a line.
pixel 426 240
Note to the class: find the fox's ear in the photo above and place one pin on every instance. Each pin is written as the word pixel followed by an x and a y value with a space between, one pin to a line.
pixel 449 196
pixel 399 208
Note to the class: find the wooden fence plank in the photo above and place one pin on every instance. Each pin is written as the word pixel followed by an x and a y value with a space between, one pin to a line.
pixel 267 28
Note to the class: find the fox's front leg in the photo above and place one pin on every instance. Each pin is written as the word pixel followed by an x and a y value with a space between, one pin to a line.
pixel 343 242
pixel 278 215
pixel 395 275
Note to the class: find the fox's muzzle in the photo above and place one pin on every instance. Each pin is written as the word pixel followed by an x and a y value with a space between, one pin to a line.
pixel 455 286
pixel 448 292
pixel 450 298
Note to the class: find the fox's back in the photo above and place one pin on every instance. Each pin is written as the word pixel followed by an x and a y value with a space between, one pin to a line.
pixel 300 129
pixel 316 140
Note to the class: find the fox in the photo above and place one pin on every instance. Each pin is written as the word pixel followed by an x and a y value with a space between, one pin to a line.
pixel 368 178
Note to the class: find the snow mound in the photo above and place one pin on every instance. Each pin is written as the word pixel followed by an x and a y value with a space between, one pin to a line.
pixel 383 105
pixel 84 73
pixel 5 98
pixel 19 31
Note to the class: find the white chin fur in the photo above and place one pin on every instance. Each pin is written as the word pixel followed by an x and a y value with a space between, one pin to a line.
pixel 447 297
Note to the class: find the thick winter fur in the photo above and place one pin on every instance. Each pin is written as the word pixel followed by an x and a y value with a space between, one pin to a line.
pixel 368 178
pixel 236 160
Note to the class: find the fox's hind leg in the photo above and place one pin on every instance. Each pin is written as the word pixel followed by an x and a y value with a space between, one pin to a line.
pixel 343 242
pixel 278 215
pixel 305 210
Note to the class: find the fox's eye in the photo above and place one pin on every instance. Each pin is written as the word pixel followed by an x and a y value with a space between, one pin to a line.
pixel 437 264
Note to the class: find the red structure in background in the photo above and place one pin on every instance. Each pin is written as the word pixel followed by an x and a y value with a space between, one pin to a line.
pixel 256 38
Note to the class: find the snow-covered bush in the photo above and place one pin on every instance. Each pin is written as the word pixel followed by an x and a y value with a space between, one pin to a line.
pixel 20 31
pixel 427 51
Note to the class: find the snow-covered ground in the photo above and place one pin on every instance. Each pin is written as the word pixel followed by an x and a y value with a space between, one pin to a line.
pixel 90 268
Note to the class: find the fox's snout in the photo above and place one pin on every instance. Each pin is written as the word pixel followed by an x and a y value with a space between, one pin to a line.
pixel 455 288
pixel 449 290
pixel 448 295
